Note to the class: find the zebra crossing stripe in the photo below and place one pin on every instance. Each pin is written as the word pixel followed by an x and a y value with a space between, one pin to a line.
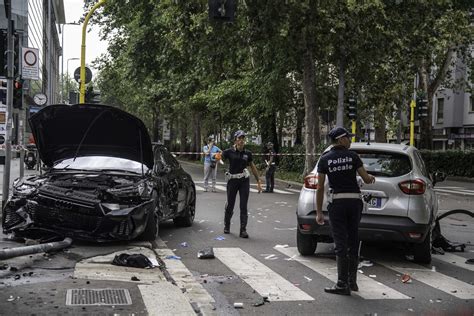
pixel 185 280
pixel 198 188
pixel 369 288
pixel 221 187
pixel 165 299
pixel 281 191
pixel 261 278
pixel 454 259
pixel 434 279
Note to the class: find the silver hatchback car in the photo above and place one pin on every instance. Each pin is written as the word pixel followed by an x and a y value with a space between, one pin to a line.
pixel 401 206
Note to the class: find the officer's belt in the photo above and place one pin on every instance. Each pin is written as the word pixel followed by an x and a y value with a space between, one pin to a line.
pixel 236 175
pixel 346 196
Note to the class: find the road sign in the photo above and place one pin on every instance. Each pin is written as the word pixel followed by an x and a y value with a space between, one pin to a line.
pixel 77 75
pixel 30 63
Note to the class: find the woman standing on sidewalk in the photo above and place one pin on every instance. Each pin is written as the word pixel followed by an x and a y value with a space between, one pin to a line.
pixel 210 164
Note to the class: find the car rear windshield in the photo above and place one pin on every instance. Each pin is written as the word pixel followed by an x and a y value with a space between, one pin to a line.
pixel 385 164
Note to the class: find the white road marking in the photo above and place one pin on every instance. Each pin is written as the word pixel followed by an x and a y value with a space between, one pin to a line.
pixel 368 288
pixel 281 191
pixel 454 192
pixel 221 187
pixel 261 278
pixel 253 190
pixel 198 188
pixel 294 190
pixel 165 299
pixel 434 279
pixel 184 279
pixel 455 260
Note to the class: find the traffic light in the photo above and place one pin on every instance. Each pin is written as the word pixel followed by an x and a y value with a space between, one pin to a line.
pixel 421 108
pixel 352 108
pixel 18 94
pixel 222 10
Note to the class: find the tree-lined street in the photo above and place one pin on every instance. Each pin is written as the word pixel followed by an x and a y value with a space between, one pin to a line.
pixel 244 271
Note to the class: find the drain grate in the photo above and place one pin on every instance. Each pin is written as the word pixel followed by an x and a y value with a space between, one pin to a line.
pixel 75 297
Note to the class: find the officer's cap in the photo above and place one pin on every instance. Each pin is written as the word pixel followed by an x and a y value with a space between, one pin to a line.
pixel 338 132
pixel 239 133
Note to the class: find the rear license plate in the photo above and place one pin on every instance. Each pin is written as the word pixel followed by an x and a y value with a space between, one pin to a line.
pixel 375 202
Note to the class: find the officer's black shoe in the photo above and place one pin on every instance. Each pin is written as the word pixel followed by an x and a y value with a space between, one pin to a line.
pixel 353 266
pixel 339 288
pixel 243 234
pixel 226 229
pixel 265 191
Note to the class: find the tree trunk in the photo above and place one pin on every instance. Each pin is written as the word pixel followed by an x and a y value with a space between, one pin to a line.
pixel 380 130
pixel 183 131
pixel 196 140
pixel 426 132
pixel 340 92
pixel 299 125
pixel 311 111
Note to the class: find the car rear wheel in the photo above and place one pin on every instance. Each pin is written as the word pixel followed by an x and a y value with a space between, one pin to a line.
pixel 306 243
pixel 152 225
pixel 187 219
pixel 422 251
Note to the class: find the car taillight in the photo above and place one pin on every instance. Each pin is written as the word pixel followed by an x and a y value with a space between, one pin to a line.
pixel 413 187
pixel 311 181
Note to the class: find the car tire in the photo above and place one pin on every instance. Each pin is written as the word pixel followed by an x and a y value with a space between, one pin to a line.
pixel 422 251
pixel 187 219
pixel 152 225
pixel 306 243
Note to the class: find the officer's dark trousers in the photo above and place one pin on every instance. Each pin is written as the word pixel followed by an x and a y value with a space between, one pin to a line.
pixel 270 178
pixel 243 187
pixel 344 218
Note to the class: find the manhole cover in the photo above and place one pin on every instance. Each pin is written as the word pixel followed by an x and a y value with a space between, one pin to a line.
pixel 98 297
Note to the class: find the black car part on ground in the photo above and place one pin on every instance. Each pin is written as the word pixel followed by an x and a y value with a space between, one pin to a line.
pixel 439 241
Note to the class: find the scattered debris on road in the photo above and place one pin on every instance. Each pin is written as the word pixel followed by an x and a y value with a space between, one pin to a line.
pixel 406 278
pixel 206 253
pixel 238 305
pixel 440 242
pixel 220 238
pixel 173 257
pixel 133 260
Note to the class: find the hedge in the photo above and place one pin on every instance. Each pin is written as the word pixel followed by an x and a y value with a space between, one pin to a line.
pixel 452 162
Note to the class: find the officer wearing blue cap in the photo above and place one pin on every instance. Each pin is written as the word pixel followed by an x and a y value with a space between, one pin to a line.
pixel 340 165
pixel 238 178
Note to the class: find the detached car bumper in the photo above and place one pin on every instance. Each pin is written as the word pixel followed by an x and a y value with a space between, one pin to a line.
pixel 371 228
pixel 28 218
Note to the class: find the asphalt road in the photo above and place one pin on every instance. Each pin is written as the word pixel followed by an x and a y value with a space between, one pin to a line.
pixel 245 270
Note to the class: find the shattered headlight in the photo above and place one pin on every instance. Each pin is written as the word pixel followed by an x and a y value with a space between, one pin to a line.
pixel 143 189
pixel 111 206
pixel 23 188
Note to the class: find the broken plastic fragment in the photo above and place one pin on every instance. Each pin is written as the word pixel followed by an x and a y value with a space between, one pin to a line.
pixel 220 238
pixel 184 244
pixel 238 305
pixel 206 253
pixel 281 246
pixel 406 278
pixel 173 257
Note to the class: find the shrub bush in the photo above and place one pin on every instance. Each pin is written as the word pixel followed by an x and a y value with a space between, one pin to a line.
pixel 452 162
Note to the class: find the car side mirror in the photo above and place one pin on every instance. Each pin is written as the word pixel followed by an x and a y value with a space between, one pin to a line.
pixel 438 176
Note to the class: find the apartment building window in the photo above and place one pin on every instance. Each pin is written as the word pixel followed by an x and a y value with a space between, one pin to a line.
pixel 439 110
pixel 471 103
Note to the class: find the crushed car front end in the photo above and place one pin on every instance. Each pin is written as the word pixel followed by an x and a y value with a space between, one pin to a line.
pixel 87 206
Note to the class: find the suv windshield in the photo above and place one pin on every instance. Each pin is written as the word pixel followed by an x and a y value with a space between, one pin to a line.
pixel 385 164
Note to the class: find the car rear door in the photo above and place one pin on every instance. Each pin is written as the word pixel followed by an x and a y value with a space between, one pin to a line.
pixel 390 169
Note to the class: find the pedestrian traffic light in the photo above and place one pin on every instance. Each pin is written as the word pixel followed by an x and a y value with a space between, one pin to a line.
pixel 3 92
pixel 421 108
pixel 18 94
pixel 222 10
pixel 352 108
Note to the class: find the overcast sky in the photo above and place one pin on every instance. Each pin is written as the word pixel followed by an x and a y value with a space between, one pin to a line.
pixel 73 37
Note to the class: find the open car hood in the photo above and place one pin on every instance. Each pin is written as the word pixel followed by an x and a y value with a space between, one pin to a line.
pixel 66 131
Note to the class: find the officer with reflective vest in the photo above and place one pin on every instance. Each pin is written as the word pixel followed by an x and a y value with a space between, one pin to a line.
pixel 340 165
pixel 238 180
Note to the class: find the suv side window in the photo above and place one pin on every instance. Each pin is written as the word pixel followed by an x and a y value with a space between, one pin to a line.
pixel 421 163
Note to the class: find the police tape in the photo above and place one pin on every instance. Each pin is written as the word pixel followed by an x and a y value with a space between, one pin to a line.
pixel 15 147
pixel 254 154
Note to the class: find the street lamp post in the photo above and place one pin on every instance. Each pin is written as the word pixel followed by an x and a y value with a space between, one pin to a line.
pixel 62 59
pixel 82 82
pixel 67 71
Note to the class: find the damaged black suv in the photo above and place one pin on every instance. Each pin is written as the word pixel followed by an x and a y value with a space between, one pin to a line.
pixel 104 180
